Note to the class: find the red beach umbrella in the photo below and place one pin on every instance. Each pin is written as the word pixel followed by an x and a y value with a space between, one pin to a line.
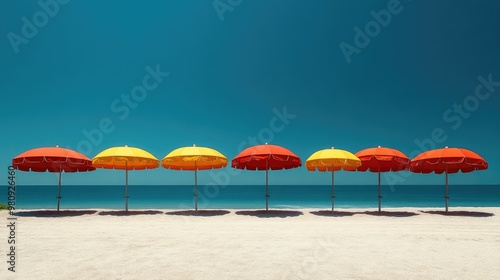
pixel 52 159
pixel 265 157
pixel 382 159
pixel 447 160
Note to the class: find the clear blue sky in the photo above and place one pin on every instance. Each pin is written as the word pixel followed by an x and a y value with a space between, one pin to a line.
pixel 65 67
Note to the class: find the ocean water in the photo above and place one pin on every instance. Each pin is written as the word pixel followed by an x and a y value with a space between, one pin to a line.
pixel 251 196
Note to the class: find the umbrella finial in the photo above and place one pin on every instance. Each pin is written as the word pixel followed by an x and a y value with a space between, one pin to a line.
pixel 126 145
pixel 379 146
pixel 333 148
pixel 194 145
pixel 265 144
pixel 57 146
pixel 446 147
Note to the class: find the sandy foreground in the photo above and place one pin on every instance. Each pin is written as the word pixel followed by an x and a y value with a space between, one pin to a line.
pixel 402 243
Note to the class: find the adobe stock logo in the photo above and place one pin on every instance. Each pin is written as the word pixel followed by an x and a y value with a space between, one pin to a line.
pixel 454 116
pixel 363 37
pixel 482 92
pixel 30 28
pixel 223 6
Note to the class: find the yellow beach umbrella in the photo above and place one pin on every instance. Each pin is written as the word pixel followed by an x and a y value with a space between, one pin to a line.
pixel 194 158
pixel 332 160
pixel 125 158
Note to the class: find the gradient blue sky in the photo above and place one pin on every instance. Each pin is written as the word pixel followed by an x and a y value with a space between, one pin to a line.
pixel 227 76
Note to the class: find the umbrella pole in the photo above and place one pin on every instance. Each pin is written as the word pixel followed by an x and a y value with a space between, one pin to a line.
pixel 126 188
pixel 446 197
pixel 267 192
pixel 379 196
pixel 333 196
pixel 267 186
pixel 59 191
pixel 196 189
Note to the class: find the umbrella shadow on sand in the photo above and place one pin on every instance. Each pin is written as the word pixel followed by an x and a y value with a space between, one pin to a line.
pixel 390 213
pixel 270 213
pixel 129 213
pixel 461 213
pixel 329 213
pixel 200 213
pixel 54 213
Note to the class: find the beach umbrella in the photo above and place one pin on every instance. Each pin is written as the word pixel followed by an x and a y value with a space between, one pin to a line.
pixel 52 159
pixel 332 160
pixel 265 157
pixel 194 158
pixel 447 160
pixel 125 158
pixel 382 159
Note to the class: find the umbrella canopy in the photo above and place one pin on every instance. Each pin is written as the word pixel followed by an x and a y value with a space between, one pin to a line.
pixel 265 157
pixel 332 160
pixel 382 159
pixel 447 160
pixel 194 158
pixel 125 158
pixel 52 159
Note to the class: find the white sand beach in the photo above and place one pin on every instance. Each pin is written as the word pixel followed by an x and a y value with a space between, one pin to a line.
pixel 404 243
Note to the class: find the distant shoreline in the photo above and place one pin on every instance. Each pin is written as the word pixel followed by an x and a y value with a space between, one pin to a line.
pixel 354 211
pixel 252 185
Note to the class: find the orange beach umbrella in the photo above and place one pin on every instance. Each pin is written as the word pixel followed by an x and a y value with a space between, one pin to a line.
pixel 447 160
pixel 52 159
pixel 194 158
